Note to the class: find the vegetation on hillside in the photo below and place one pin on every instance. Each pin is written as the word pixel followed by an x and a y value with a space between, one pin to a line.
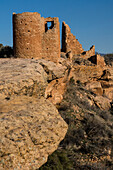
pixel 89 141
pixel 109 59
pixel 88 144
pixel 1 45
pixel 6 51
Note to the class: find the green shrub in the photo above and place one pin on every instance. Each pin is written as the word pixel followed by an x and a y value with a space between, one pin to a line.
pixel 1 45
pixel 89 134
pixel 108 59
pixel 58 161
pixel 6 52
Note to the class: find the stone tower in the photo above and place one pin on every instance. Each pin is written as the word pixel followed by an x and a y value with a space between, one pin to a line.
pixel 36 37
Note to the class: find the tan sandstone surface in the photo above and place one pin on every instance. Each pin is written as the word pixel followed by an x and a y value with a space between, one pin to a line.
pixel 22 76
pixel 31 127
pixel 30 130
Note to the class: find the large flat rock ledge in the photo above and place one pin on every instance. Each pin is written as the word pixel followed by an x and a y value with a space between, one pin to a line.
pixel 30 126
pixel 30 130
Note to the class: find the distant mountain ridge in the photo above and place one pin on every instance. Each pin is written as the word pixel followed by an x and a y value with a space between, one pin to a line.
pixel 102 54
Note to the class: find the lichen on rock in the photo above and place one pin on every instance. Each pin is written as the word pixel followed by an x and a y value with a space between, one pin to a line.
pixel 31 129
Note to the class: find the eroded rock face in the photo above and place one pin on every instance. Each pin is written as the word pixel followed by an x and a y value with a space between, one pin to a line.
pixel 53 70
pixel 55 91
pixel 22 76
pixel 31 127
pixel 95 87
pixel 33 78
pixel 102 102
pixel 30 130
pixel 27 132
pixel 56 88
pixel 86 73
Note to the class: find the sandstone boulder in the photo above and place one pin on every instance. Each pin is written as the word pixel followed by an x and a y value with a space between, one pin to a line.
pixel 106 84
pixel 85 74
pixel 55 91
pixel 106 75
pixel 31 127
pixel 30 130
pixel 56 88
pixel 22 76
pixel 95 87
pixel 108 92
pixel 53 70
pixel 102 102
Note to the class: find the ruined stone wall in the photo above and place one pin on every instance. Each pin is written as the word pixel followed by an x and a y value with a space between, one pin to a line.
pixel 98 60
pixel 51 39
pixel 33 39
pixel 89 53
pixel 69 41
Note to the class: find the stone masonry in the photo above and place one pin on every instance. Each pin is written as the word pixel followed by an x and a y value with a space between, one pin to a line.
pixel 34 38
pixel 38 37
pixel 69 41
pixel 97 59
pixel 89 53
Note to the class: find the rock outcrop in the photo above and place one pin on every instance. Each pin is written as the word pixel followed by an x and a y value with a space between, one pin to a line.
pixel 88 142
pixel 94 75
pixel 95 87
pixel 53 70
pixel 22 76
pixel 31 127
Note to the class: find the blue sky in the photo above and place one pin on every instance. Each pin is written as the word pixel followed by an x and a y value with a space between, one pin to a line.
pixel 91 21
